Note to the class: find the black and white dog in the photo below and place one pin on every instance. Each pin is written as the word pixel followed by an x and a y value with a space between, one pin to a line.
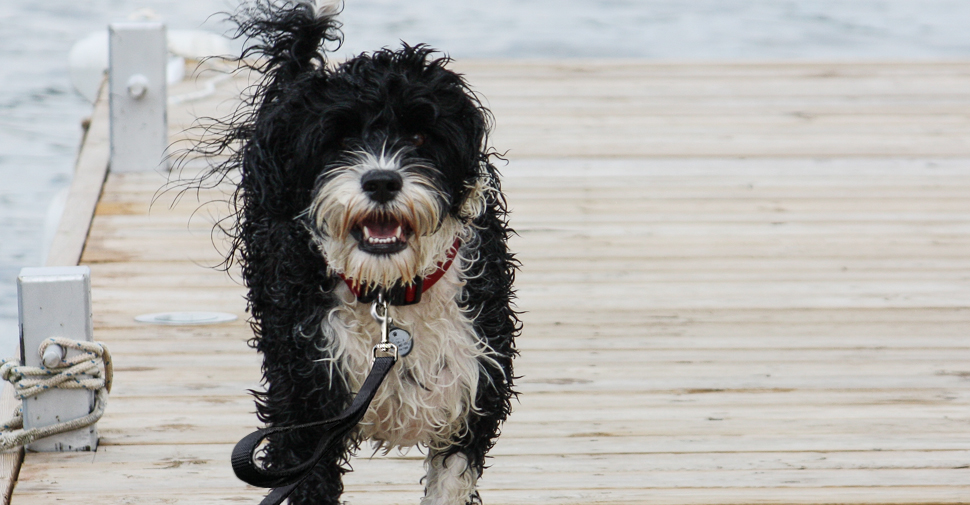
pixel 372 176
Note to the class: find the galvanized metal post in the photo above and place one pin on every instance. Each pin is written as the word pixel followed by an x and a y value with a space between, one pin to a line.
pixel 138 89
pixel 56 302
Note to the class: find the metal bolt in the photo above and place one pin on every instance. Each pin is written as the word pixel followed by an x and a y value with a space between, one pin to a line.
pixel 53 356
pixel 137 86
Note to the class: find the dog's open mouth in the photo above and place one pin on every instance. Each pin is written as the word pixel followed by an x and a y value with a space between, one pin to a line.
pixel 381 234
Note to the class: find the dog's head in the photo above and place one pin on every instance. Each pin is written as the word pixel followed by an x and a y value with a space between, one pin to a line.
pixel 401 170
pixel 383 159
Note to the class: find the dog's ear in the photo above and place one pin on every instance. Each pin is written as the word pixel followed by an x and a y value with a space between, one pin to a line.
pixel 472 136
pixel 474 204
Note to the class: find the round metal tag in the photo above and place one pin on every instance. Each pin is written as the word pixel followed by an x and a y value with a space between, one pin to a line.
pixel 402 340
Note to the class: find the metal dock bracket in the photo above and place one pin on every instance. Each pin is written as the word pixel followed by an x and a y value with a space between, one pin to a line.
pixel 139 94
pixel 56 302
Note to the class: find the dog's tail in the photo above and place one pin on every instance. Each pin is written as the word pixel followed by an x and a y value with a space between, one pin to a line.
pixel 282 40
pixel 286 37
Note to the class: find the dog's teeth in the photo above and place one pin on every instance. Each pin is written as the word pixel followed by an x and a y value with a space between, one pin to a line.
pixel 381 238
pixel 385 240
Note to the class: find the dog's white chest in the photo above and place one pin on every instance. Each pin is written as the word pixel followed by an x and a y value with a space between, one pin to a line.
pixel 428 396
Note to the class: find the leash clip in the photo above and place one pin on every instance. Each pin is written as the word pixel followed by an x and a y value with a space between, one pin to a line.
pixel 385 350
pixel 379 310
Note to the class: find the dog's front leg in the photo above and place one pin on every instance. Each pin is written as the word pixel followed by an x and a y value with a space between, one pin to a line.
pixel 322 487
pixel 450 480
pixel 292 399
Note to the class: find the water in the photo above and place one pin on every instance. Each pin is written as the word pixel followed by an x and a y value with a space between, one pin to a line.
pixel 40 114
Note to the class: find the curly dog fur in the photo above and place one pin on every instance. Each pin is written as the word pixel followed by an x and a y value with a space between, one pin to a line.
pixel 369 170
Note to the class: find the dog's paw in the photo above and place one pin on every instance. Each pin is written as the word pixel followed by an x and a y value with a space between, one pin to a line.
pixel 474 499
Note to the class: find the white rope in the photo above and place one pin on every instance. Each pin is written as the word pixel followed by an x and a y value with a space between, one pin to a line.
pixel 89 369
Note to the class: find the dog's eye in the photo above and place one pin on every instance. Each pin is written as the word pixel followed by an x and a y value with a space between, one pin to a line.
pixel 417 139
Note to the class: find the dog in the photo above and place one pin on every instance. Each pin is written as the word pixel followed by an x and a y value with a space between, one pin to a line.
pixel 371 176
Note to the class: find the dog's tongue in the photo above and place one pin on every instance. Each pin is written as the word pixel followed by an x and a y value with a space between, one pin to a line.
pixel 382 229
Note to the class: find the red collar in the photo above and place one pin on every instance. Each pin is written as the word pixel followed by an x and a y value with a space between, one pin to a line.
pixel 404 294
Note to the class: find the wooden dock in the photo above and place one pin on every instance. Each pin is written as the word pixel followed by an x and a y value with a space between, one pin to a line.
pixel 742 283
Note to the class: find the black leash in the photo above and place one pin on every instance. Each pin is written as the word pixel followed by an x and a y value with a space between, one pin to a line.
pixel 284 481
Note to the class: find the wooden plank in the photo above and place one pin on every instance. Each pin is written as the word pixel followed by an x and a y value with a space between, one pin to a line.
pixel 710 428
pixel 10 460
pixel 161 470
pixel 182 463
pixel 860 94
pixel 366 495
pixel 89 176
pixel 404 475
pixel 530 69
pixel 723 115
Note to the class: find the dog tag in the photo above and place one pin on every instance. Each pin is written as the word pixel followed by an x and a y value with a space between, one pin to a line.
pixel 402 340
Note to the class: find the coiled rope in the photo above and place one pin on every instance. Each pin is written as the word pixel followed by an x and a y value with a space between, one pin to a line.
pixel 89 369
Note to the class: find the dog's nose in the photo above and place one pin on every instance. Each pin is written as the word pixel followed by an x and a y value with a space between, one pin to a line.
pixel 381 185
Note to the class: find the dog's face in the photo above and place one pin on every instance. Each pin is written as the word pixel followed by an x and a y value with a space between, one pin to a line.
pixel 401 170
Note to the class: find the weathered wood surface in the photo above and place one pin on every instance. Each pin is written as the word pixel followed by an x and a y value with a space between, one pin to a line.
pixel 10 461
pixel 701 328
pixel 92 167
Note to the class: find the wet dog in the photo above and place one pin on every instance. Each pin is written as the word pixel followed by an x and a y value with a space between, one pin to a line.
pixel 369 178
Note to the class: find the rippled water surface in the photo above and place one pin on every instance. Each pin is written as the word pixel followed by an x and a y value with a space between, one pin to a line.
pixel 40 114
